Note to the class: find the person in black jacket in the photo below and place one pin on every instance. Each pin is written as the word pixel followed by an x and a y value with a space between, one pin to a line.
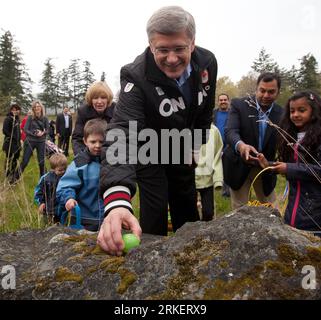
pixel 170 86
pixel 64 129
pixel 247 133
pixel 99 104
pixel 36 129
pixel 11 144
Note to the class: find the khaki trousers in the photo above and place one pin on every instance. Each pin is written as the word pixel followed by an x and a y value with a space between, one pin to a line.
pixel 240 197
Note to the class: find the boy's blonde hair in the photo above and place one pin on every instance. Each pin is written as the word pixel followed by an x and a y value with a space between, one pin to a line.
pixel 58 160
pixel 99 89
pixel 95 126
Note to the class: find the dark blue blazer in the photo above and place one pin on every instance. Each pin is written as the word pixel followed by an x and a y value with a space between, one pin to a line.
pixel 242 125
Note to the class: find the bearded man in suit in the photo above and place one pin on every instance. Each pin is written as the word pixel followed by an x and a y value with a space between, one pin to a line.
pixel 248 133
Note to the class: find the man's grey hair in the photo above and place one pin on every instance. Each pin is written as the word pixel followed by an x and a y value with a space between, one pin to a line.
pixel 170 20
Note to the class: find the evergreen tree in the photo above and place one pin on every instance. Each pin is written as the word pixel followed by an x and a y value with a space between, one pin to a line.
pixel 74 74
pixel 291 79
pixel 49 85
pixel 15 83
pixel 63 88
pixel 87 79
pixel 308 76
pixel 264 63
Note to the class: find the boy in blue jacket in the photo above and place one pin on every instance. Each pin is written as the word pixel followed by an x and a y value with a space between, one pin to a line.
pixel 79 185
pixel 45 191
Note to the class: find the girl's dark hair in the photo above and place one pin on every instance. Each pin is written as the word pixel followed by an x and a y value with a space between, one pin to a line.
pixel 312 138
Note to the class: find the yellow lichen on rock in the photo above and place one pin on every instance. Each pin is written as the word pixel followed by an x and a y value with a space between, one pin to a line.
pixel 64 274
pixel 126 279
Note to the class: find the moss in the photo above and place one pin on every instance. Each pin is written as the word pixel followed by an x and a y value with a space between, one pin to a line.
pixel 193 258
pixel 127 278
pixel 76 259
pixel 311 237
pixel 266 280
pixel 27 276
pixel 97 250
pixel 8 258
pixel 287 253
pixel 64 274
pixel 223 264
pixel 42 285
pixel 80 247
pixel 85 244
pixel 226 290
pixel 248 287
pixel 235 287
pixel 92 250
pixel 80 238
pixel 92 270
pixel 285 269
pixel 254 284
pixel 112 264
pixel 314 254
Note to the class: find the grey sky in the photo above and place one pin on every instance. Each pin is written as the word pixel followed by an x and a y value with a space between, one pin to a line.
pixel 110 34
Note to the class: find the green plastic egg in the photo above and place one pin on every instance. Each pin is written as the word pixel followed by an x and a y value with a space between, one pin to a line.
pixel 130 241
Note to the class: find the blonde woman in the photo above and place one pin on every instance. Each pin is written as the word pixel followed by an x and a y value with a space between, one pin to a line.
pixel 99 104
pixel 36 130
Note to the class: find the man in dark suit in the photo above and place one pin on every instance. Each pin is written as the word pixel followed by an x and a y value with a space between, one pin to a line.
pixel 64 129
pixel 247 133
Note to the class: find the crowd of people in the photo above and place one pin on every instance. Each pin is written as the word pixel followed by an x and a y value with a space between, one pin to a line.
pixel 170 86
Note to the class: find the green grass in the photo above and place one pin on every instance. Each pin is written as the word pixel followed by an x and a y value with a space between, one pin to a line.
pixel 17 209
pixel 222 204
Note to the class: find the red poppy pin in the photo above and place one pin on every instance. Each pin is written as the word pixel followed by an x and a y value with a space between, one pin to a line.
pixel 204 76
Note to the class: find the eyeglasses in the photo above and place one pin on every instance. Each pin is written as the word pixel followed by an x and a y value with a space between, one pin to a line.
pixel 164 52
